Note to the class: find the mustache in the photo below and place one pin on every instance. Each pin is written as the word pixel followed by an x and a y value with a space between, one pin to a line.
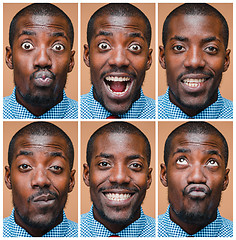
pixel 208 74
pixel 117 186
pixel 42 192
pixel 118 70
pixel 42 73
pixel 197 187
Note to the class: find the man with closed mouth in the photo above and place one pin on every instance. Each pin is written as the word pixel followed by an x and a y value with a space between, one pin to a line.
pixel 195 55
pixel 118 174
pixel 118 54
pixel 41 55
pixel 195 173
pixel 40 175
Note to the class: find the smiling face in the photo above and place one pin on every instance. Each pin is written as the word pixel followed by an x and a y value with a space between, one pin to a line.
pixel 118 178
pixel 118 57
pixel 195 177
pixel 194 58
pixel 41 57
pixel 40 179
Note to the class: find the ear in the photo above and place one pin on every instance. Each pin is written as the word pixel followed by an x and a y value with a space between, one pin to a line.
pixel 72 180
pixel 163 175
pixel 72 61
pixel 86 55
pixel 226 180
pixel 149 179
pixel 8 57
pixel 149 61
pixel 227 60
pixel 162 60
pixel 8 177
pixel 86 174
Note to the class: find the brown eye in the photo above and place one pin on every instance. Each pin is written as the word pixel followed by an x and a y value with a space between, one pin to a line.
pixel 104 46
pixel 58 47
pixel 135 47
pixel 27 46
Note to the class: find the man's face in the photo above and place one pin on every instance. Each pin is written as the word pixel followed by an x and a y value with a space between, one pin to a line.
pixel 194 59
pixel 195 177
pixel 118 57
pixel 118 177
pixel 41 57
pixel 40 179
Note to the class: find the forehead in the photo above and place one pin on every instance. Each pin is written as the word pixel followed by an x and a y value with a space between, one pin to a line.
pixel 120 23
pixel 43 23
pixel 195 25
pixel 197 141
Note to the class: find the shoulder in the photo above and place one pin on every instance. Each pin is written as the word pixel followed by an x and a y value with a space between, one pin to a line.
pixel 85 226
pixel 72 110
pixel 149 109
pixel 227 228
pixel 72 229
pixel 227 109
pixel 150 227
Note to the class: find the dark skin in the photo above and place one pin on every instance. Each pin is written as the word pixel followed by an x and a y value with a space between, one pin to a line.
pixel 41 57
pixel 195 176
pixel 40 180
pixel 118 178
pixel 194 58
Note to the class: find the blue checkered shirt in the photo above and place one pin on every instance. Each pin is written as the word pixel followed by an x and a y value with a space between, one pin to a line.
pixel 145 226
pixel 66 109
pixel 221 227
pixel 222 108
pixel 66 228
pixel 143 108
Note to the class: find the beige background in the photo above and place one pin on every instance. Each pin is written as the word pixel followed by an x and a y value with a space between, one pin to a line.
pixel 87 9
pixel 226 128
pixel 226 9
pixel 71 129
pixel 148 128
pixel 9 11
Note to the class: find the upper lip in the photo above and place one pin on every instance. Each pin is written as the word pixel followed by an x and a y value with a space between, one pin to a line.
pixel 44 198
pixel 43 74
pixel 195 76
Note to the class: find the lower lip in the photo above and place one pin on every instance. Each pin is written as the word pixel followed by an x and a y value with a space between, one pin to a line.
pixel 42 204
pixel 43 82
pixel 197 195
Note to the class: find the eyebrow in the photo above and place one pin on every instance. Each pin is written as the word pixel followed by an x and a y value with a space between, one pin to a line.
pixel 56 154
pixel 104 155
pixel 59 34
pixel 181 150
pixel 135 156
pixel 214 152
pixel 204 40
pixel 104 33
pixel 24 153
pixel 28 33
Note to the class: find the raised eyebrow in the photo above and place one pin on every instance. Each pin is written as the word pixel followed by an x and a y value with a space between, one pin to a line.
pixel 56 154
pixel 59 34
pixel 24 153
pixel 136 34
pixel 28 33
pixel 104 33
pixel 181 150
pixel 214 152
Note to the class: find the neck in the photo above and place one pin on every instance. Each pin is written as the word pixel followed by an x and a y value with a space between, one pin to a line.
pixel 190 228
pixel 36 110
pixel 36 231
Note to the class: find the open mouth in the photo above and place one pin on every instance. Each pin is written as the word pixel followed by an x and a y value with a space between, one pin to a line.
pixel 118 85
pixel 194 82
pixel 118 196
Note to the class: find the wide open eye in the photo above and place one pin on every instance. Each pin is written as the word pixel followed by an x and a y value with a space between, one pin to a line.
pixel 58 47
pixel 27 46
pixel 104 46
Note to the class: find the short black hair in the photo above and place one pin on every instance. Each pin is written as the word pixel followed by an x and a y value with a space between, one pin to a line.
pixel 198 127
pixel 203 9
pixel 119 9
pixel 41 129
pixel 117 127
pixel 40 9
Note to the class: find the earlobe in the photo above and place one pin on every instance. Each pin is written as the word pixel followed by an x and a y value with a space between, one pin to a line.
pixel 149 62
pixel 227 60
pixel 162 57
pixel 86 55
pixel 86 174
pixel 149 179
pixel 163 175
pixel 8 57
pixel 226 180
pixel 72 61
pixel 72 180
pixel 8 177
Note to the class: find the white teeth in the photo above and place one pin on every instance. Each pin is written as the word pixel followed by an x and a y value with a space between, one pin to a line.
pixel 117 79
pixel 117 196
pixel 192 82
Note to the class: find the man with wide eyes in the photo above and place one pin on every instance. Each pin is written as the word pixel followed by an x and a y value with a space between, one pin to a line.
pixel 194 55
pixel 195 173
pixel 40 175
pixel 40 54
pixel 118 175
pixel 118 54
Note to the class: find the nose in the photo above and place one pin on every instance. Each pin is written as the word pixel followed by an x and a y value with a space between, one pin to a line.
pixel 196 174
pixel 119 175
pixel 42 58
pixel 194 58
pixel 40 178
pixel 118 57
